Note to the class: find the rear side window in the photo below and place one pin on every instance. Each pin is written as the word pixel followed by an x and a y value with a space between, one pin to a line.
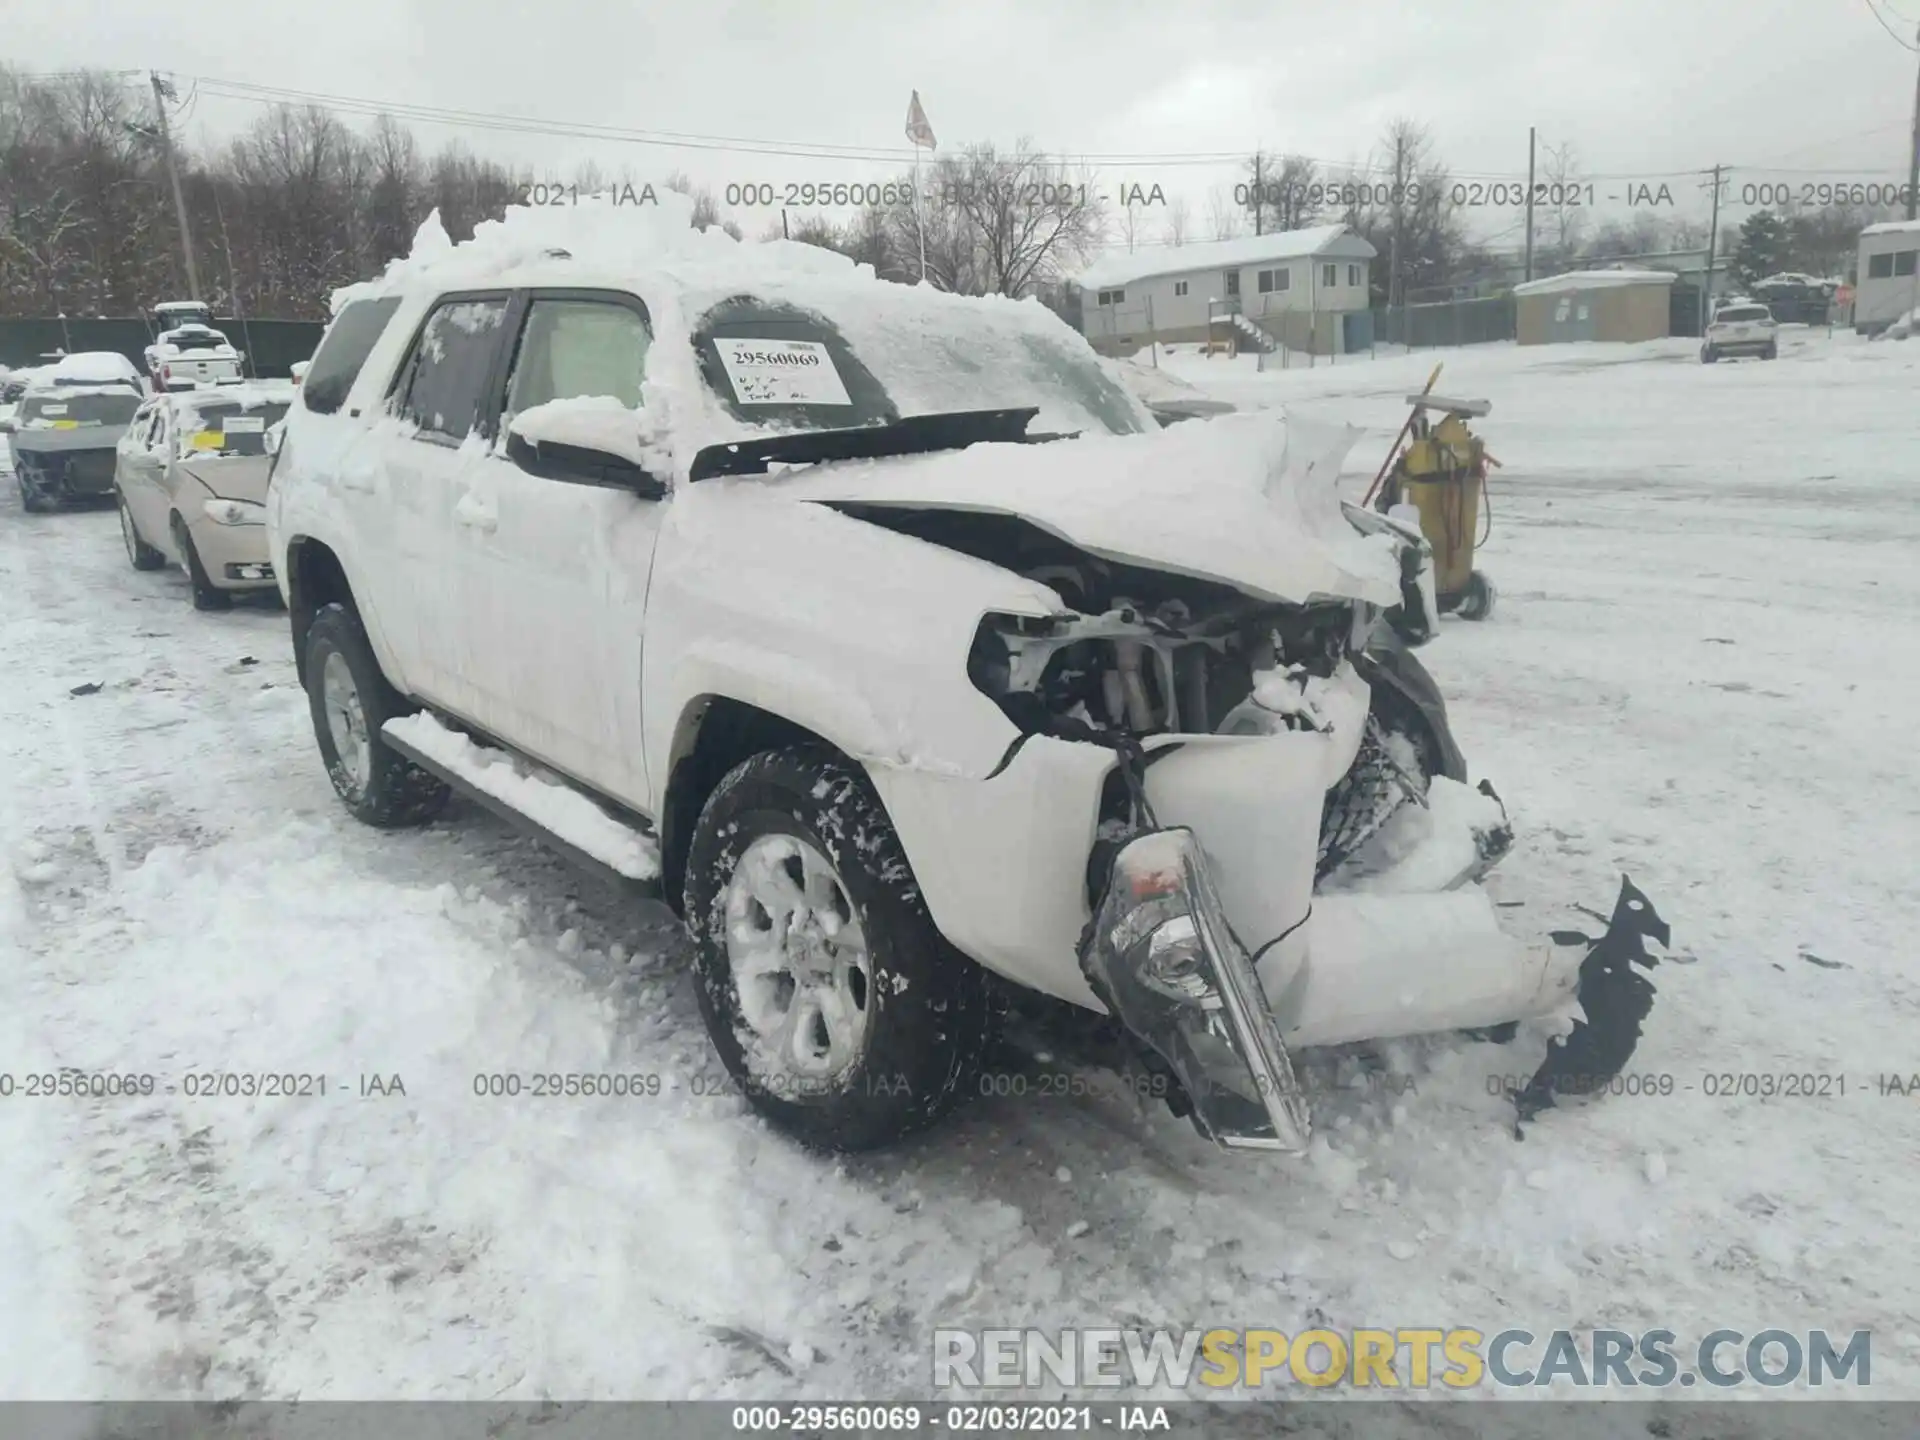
pixel 343 350
pixel 444 387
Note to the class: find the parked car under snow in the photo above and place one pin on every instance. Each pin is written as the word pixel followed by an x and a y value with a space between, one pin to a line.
pixel 903 652
pixel 68 421
pixel 190 479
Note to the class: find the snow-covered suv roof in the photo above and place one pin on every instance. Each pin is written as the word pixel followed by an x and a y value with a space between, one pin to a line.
pixel 930 351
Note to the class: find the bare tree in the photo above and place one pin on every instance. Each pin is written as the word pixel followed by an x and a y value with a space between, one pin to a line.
pixel 1406 211
pixel 1560 221
pixel 1284 192
pixel 1179 220
pixel 1132 223
pixel 1224 216
pixel 998 222
pixel 706 210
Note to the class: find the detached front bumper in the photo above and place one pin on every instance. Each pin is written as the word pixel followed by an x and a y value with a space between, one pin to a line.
pixel 1002 864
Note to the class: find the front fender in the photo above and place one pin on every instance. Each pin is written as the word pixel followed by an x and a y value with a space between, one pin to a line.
pixel 1387 661
pixel 857 633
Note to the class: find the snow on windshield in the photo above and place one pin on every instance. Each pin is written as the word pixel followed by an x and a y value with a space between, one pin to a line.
pixel 932 353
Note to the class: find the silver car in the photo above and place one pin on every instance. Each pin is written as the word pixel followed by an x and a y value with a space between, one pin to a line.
pixel 190 475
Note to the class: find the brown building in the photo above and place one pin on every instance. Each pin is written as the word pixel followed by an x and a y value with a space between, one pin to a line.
pixel 1593 305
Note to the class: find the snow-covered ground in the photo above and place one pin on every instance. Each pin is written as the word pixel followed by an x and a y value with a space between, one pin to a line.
pixel 1700 673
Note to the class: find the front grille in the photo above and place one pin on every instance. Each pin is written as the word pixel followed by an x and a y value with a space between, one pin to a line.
pixel 90 470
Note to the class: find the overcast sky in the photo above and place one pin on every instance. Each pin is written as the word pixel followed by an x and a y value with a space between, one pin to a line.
pixel 1639 88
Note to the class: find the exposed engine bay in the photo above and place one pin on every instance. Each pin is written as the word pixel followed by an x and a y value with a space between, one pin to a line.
pixel 1146 653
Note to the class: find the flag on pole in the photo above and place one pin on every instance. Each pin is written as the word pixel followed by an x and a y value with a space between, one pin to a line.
pixel 918 130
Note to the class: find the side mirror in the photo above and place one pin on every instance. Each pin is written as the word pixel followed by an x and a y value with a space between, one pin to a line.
pixel 583 445
pixel 7 427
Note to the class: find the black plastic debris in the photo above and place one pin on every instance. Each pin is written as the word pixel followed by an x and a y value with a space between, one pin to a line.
pixel 1615 998
pixel 92 687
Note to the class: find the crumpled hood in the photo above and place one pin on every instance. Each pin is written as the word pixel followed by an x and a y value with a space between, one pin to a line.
pixel 1247 500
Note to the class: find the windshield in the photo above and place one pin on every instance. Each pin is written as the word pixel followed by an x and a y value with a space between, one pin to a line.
pixel 53 410
pixel 777 364
pixel 229 428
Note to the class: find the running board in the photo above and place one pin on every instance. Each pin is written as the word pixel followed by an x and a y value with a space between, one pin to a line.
pixel 451 755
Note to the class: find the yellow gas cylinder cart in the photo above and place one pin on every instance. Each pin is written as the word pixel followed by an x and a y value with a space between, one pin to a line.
pixel 1439 467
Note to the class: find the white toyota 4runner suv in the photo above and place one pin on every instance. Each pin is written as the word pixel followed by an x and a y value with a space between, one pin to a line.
pixel 890 641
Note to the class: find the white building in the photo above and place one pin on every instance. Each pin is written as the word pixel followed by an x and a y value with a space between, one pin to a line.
pixel 1306 289
pixel 1888 283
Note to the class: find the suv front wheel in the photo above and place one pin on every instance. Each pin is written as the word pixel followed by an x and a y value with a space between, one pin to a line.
pixel 838 1010
pixel 351 700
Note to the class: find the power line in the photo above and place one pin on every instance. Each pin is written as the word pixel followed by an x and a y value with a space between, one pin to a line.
pixel 1895 34
pixel 1337 170
pixel 445 115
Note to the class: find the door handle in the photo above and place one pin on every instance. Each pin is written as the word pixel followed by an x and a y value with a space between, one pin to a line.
pixel 475 513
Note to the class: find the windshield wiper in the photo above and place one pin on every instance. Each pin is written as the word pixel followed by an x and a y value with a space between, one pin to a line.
pixel 915 435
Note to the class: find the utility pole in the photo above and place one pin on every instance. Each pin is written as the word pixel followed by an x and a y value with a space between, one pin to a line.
pixel 1530 138
pixel 1259 198
pixel 1397 196
pixel 161 91
pixel 1713 250
pixel 1913 157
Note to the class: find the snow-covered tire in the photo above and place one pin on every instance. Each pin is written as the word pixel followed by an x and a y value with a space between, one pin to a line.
pixel 206 594
pixel 914 1024
pixel 31 500
pixel 140 555
pixel 1477 603
pixel 1772 352
pixel 350 700
pixel 1708 355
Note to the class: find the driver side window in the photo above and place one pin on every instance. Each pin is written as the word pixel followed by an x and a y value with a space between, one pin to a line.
pixel 571 348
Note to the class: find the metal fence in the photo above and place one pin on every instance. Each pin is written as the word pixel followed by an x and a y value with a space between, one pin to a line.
pixel 1446 322
pixel 271 346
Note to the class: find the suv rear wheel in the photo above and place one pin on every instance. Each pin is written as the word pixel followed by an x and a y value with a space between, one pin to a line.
pixel 350 701
pixel 837 1008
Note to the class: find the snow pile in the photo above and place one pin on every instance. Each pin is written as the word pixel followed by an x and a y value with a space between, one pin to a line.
pixel 624 238
pixel 599 422
pixel 549 801
pixel 95 367
pixel 1903 327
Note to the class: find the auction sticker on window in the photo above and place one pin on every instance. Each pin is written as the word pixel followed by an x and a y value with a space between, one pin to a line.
pixel 782 372
pixel 245 424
